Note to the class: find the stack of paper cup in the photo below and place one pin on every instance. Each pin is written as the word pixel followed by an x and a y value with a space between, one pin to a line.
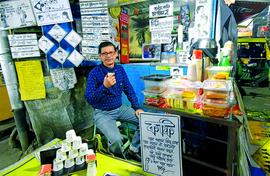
pixel 71 156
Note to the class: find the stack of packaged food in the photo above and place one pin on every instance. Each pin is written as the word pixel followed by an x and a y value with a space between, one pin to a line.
pixel 217 98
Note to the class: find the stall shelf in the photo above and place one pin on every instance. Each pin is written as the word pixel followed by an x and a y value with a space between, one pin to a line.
pixel 217 150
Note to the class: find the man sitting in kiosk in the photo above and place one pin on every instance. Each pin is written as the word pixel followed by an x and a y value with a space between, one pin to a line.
pixel 104 88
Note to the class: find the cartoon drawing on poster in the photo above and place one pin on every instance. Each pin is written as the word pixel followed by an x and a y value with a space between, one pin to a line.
pixel 202 19
pixel 73 38
pixel 52 11
pixel 60 55
pixel 57 32
pixel 161 144
pixel 76 58
pixel 45 44
pixel 16 14
pixel 63 79
pixel 3 18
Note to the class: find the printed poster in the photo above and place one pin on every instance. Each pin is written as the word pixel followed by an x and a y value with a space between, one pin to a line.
pixel 63 79
pixel 203 18
pixel 161 144
pixel 52 11
pixel 16 14
pixel 31 80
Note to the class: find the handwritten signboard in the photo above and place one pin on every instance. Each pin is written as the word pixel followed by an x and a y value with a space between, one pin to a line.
pixel 23 45
pixel 161 10
pixel 160 144
pixel 31 80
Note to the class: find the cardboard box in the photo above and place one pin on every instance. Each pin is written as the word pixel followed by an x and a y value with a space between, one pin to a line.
pixel 5 107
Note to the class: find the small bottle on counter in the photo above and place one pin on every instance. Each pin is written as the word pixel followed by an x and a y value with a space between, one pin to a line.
pixel 191 71
pixel 225 59
pixel 91 163
pixel 198 59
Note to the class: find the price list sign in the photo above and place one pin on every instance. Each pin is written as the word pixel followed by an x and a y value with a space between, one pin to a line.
pixel 161 144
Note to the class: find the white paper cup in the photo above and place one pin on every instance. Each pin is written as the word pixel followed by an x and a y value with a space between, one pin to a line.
pixel 73 153
pixel 76 144
pixel 66 146
pixel 61 155
pixel 69 162
pixel 57 165
pixel 70 135
pixel 79 160
pixel 83 149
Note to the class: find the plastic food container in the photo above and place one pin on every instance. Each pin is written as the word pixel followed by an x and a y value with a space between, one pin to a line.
pixel 189 105
pixel 174 99
pixel 153 99
pixel 217 91
pixel 217 85
pixel 216 110
pixel 190 89
pixel 155 83
pixel 219 72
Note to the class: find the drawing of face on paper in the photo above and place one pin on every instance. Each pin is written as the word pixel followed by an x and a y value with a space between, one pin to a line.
pixel 45 44
pixel 3 18
pixel 52 11
pixel 16 14
pixel 76 58
pixel 60 55
pixel 57 32
pixel 73 38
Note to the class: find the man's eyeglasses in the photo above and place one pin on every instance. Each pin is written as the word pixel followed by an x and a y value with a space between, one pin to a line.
pixel 107 53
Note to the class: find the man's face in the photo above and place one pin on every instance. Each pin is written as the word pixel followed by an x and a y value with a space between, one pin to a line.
pixel 108 56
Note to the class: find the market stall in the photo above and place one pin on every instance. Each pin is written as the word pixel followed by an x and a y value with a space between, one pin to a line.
pixel 187 54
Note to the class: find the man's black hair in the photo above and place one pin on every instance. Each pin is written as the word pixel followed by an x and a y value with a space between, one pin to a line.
pixel 105 44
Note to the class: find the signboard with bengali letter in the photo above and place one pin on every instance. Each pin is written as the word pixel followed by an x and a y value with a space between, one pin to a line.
pixel 161 10
pixel 161 144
